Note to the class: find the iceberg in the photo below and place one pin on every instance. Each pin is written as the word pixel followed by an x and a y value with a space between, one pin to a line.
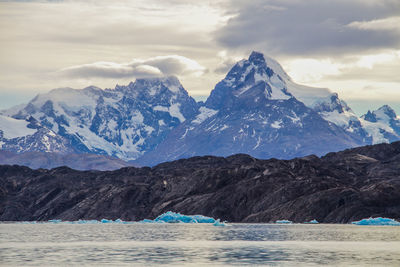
pixel 54 221
pixel 173 217
pixel 219 223
pixel 284 221
pixel 312 221
pixel 377 221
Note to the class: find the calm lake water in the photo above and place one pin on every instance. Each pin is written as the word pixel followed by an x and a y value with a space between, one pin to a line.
pixel 198 245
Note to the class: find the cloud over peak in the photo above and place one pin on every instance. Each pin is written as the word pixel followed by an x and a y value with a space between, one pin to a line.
pixel 138 68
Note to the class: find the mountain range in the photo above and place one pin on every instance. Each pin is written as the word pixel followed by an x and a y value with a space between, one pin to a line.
pixel 256 109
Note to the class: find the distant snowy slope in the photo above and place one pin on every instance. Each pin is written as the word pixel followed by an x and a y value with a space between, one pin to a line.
pixel 383 125
pixel 11 128
pixel 28 135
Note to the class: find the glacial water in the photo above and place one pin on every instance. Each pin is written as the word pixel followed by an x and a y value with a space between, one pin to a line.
pixel 198 245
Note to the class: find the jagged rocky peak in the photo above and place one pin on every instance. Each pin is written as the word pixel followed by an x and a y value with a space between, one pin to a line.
pixel 257 58
pixel 152 87
pixel 383 113
pixel 250 82
pixel 272 66
pixel 369 116
pixel 332 103
pixel 383 125
pixel 387 110
pixel 256 68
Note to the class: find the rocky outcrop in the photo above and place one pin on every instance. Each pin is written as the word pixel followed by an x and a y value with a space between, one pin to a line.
pixel 337 188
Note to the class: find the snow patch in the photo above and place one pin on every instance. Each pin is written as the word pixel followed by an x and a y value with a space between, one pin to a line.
pixel 258 143
pixel 260 77
pixel 374 129
pixel 161 108
pixel 148 129
pixel 223 127
pixel 68 98
pixel 340 119
pixel 276 124
pixel 242 90
pixel 278 94
pixel 205 113
pixel 173 110
pixel 306 94
pixel 13 128
pixel 137 118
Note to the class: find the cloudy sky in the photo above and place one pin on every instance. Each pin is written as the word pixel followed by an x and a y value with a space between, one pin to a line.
pixel 349 46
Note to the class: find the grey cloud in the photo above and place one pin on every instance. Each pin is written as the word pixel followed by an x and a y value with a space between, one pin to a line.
pixel 225 66
pixel 379 73
pixel 370 88
pixel 308 27
pixel 151 67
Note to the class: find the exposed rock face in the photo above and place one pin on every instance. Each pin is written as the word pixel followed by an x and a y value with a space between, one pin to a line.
pixel 337 188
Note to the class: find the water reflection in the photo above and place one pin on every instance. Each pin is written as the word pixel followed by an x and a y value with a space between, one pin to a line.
pixel 178 244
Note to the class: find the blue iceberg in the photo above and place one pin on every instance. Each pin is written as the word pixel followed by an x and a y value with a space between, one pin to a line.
pixel 284 221
pixel 54 221
pixel 377 221
pixel 174 217
pixel 312 221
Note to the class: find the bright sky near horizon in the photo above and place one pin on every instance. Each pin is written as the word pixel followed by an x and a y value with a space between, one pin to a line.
pixel 351 47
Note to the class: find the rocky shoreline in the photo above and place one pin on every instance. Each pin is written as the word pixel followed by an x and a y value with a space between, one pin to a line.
pixel 338 188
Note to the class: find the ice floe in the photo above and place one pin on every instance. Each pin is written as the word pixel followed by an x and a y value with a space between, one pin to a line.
pixel 284 221
pixel 377 221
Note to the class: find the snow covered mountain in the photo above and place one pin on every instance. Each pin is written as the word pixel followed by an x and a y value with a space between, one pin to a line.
pixel 28 135
pixel 123 122
pixel 254 110
pixel 383 125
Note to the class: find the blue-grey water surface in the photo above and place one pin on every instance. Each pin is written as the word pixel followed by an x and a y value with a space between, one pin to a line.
pixel 198 245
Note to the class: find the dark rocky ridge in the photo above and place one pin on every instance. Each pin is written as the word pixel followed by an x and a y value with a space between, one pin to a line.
pixel 337 188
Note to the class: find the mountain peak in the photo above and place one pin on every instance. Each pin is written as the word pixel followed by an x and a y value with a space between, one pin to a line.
pixel 256 58
pixel 154 86
pixel 388 111
pixel 164 79
pixel 381 114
